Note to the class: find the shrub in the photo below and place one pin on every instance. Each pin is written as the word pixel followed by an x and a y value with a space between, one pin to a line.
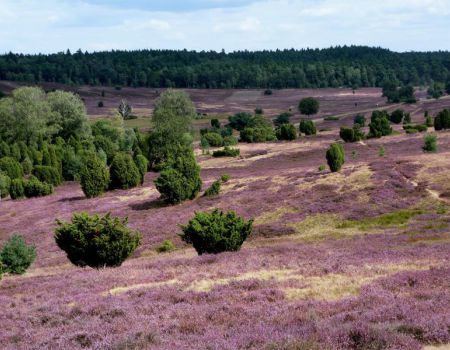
pixel 379 125
pixel 381 151
pixel 283 118
pixel 47 174
pixel 429 121
pixel 16 256
pixel 11 167
pixel 216 232
pixel 35 188
pixel 213 190
pixel 215 123
pixel 142 165
pixel 227 152
pixel 213 139
pixel 430 143
pixel 407 118
pixel 322 167
pixel 396 116
pixel 442 120
pixel 418 127
pixel 166 246
pixel 5 184
pixel 181 179
pixel 240 121
pixel 230 141
pixel 259 110
pixel 257 134
pixel 16 190
pixel 308 106
pixel 96 241
pixel 104 143
pixel 100 104
pixel 331 118
pixel 286 132
pixel 27 166
pixel 225 178
pixel 351 134
pixel 268 92
pixel 335 157
pixel 124 172
pixel 360 119
pixel 94 176
pixel 307 127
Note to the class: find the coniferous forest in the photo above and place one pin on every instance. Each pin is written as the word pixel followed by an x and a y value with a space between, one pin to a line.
pixel 352 66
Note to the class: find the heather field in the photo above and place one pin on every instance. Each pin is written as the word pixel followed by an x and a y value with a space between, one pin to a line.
pixel 358 259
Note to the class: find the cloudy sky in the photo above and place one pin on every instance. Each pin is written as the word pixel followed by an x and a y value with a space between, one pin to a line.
pixel 32 26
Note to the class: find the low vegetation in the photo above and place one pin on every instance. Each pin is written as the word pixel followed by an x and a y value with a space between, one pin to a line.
pixel 16 256
pixel 335 157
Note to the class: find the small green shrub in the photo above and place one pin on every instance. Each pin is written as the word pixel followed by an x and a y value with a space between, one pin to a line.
pixel 283 118
pixel 96 241
pixel 214 139
pixel 379 125
pixel 442 120
pixel 307 127
pixel 11 167
pixel 16 256
pixel 5 184
pixel 353 134
pixel 257 134
pixel 35 188
pixel 142 165
pixel 124 172
pixel 230 141
pixel 166 246
pixel 417 127
pixel 381 151
pixel 268 92
pixel 216 232
pixel 396 116
pixel 215 123
pixel 225 178
pixel 94 176
pixel 322 167
pixel 213 190
pixel 27 166
pixel 430 143
pixel 360 119
pixel 286 132
pixel 47 174
pixel 227 152
pixel 429 121
pixel 259 110
pixel 335 157
pixel 331 118
pixel 100 104
pixel 16 190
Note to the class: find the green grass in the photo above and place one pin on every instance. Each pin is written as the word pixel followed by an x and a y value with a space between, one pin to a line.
pixel 394 219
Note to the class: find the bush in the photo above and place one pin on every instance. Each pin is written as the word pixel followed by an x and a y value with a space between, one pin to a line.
pixel 308 106
pixel 100 104
pixel 16 256
pixel 142 165
pixel 396 116
pixel 430 143
pixel 27 166
pixel 96 241
pixel 331 118
pixel 418 127
pixel 94 176
pixel 47 174
pixel 307 127
pixel 351 134
pixel 379 125
pixel 259 110
pixel 240 121
pixel 230 141
pixel 35 188
pixel 322 167
pixel 5 184
pixel 227 152
pixel 429 121
pixel 257 134
pixel 11 167
pixel 268 92
pixel 181 179
pixel 335 157
pixel 124 172
pixel 214 139
pixel 360 119
pixel 213 190
pixel 283 118
pixel 286 132
pixel 215 123
pixel 216 232
pixel 16 190
pixel 442 120
pixel 166 246
pixel 225 178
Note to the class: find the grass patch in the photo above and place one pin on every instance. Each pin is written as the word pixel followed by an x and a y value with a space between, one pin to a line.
pixel 273 216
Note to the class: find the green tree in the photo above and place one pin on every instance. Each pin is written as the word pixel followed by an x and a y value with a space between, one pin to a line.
pixel 430 143
pixel 397 116
pixel 5 183
pixel 124 172
pixel 16 256
pixel 94 176
pixel 308 106
pixel 286 132
pixel 11 167
pixel 379 124
pixel 335 157
pixel 307 127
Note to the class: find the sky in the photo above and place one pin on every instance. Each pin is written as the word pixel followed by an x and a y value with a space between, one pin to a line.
pixel 48 26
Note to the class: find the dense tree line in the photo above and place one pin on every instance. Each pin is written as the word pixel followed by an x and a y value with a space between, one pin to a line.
pixel 355 66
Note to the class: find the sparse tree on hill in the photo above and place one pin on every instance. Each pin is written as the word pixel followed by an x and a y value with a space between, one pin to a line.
pixel 308 106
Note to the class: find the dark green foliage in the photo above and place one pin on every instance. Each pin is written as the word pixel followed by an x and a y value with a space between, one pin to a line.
pixel 240 121
pixel 35 188
pixel 307 127
pixel 395 94
pixel 5 184
pixel 27 166
pixel 308 106
pixel 257 134
pixel 283 118
pixel 96 241
pixel 259 110
pixel 11 167
pixel 109 147
pixel 166 246
pixel 47 174
pixel 16 256
pixel 227 152
pixel 215 123
pixel 429 121
pixel 4 149
pixel 226 131
pixel 72 164
pixel 442 120
pixel 180 180
pixel 142 165
pixel 353 134
pixel 213 190
pixel 230 141
pixel 216 232
pixel 407 118
pixel 268 92
pixel 417 127
pixel 286 132
pixel 436 90
pixel 447 87
pixel 100 104
pixel 379 124
pixel 94 176
pixel 16 190
pixel 225 178
pixel 335 157
pixel 360 119
pixel 396 116
pixel 124 172
pixel 430 143
pixel 214 139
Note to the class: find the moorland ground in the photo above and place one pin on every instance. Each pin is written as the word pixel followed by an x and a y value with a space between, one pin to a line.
pixel 353 260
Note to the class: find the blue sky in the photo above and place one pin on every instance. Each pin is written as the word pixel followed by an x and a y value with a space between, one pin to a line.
pixel 32 26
